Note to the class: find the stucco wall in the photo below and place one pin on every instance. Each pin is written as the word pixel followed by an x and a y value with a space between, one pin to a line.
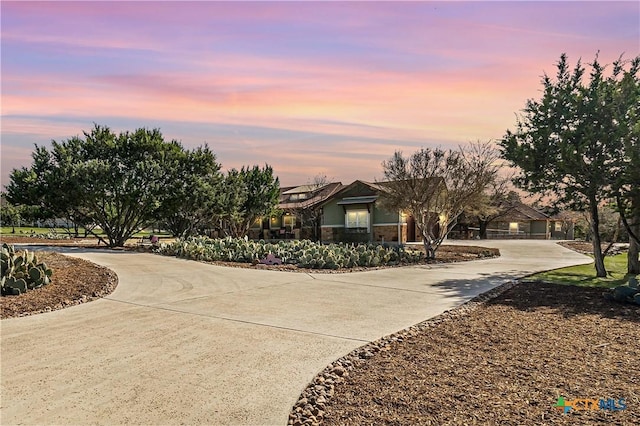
pixel 332 213
pixel 384 216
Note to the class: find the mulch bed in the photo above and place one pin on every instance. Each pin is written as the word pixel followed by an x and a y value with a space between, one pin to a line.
pixel 505 361
pixel 74 281
pixel 586 247
pixel 502 360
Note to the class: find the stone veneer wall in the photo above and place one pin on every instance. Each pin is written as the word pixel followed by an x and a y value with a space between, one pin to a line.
pixel 326 234
pixel 389 233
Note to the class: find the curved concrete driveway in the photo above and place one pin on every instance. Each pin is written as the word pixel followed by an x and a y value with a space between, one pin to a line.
pixel 189 343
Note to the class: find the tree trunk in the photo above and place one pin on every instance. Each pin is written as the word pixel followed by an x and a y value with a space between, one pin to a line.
pixel 483 229
pixel 428 248
pixel 595 230
pixel 427 241
pixel 633 263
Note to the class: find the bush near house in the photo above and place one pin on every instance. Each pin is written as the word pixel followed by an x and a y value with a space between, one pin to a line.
pixel 303 253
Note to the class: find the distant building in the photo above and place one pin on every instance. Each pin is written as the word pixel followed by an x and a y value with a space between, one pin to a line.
pixel 520 221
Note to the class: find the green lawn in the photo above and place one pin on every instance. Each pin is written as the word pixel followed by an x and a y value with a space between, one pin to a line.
pixel 28 230
pixel 584 275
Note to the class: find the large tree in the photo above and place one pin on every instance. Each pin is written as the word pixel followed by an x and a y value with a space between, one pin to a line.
pixel 624 95
pixel 247 195
pixel 192 192
pixel 435 186
pixel 564 143
pixel 118 182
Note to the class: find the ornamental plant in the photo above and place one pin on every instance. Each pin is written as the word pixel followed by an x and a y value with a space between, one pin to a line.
pixel 303 253
pixel 22 271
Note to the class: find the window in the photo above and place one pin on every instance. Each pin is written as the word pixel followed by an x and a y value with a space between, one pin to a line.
pixel 300 196
pixel 357 219
pixel 558 226
pixel 513 227
pixel 289 221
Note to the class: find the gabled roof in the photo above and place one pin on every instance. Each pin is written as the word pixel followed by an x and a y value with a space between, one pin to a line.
pixel 316 194
pixel 302 189
pixel 368 189
pixel 522 211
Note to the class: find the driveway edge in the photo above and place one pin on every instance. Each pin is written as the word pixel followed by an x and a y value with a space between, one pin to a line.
pixel 309 408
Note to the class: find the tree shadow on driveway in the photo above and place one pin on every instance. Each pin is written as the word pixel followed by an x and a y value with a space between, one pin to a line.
pixel 465 287
pixel 568 300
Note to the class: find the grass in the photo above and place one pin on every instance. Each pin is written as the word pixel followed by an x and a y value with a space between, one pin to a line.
pixel 584 275
pixel 28 230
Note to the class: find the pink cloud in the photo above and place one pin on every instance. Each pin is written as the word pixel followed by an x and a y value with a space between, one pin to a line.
pixel 366 78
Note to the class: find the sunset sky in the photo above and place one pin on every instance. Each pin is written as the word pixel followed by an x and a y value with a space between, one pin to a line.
pixel 307 87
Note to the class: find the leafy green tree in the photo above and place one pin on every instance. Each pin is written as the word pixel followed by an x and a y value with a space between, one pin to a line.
pixel 118 182
pixel 625 148
pixel 564 142
pixel 10 215
pixel 435 186
pixel 248 194
pixel 192 192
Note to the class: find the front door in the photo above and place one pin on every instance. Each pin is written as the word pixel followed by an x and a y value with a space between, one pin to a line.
pixel 411 229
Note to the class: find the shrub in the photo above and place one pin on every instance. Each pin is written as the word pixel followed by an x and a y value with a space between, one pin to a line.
pixel 303 253
pixel 629 292
pixel 51 235
pixel 22 271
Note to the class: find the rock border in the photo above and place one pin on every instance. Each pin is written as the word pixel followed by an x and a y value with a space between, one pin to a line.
pixel 109 285
pixel 310 406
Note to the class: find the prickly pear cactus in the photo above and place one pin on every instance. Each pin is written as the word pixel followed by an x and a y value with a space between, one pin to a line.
pixel 304 253
pixel 21 271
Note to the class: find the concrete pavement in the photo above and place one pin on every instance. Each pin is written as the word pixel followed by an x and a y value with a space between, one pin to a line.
pixel 181 342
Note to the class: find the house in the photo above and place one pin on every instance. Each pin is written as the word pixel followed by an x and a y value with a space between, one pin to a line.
pixel 353 214
pixel 521 221
pixel 562 226
pixel 299 214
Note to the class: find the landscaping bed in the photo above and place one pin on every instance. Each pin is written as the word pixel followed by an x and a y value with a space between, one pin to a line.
pixel 446 254
pixel 586 247
pixel 74 281
pixel 307 255
pixel 506 361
